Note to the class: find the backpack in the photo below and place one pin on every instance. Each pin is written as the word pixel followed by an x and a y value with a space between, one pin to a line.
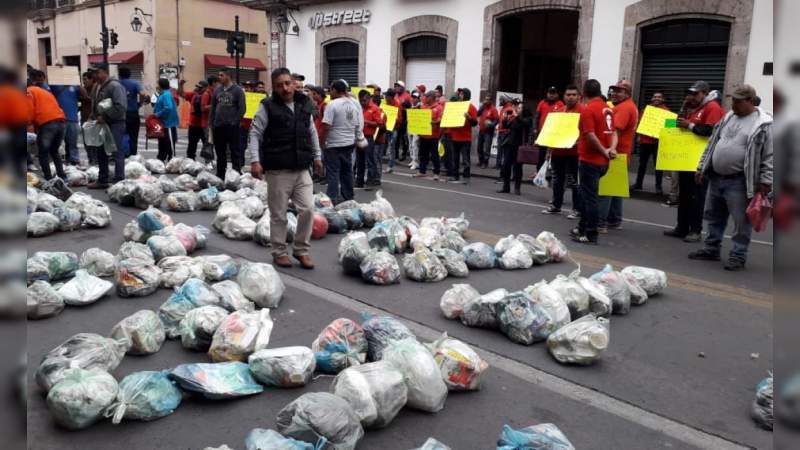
pixel 154 127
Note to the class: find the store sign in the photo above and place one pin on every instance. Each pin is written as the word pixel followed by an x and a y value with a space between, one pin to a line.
pixel 346 17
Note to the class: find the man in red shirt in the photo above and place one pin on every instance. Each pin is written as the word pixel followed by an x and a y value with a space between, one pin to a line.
pixel 507 107
pixel 487 122
pixel 699 114
pixel 390 97
pixel 428 144
pixel 626 117
pixel 549 104
pixel 367 159
pixel 462 139
pixel 564 161
pixel 196 130
pixel 596 146
pixel 648 147
pixel 401 130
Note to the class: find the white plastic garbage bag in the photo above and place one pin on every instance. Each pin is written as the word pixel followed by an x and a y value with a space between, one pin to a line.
pixel 424 266
pixel 239 227
pixel 260 439
pixel 84 351
pixel 155 166
pixel 380 267
pixel 135 250
pixel 432 444
pixel 147 194
pixel 322 419
pixel 240 335
pixel 252 207
pixel 187 183
pixel 96 214
pixel 376 391
pixel 516 256
pixel 167 184
pixel 208 199
pixel 43 301
pixel 51 266
pixel 192 294
pixel 548 298
pixel 207 179
pixel 576 298
pixel 339 345
pixel 580 342
pixel 482 311
pixel 175 270
pixel 427 237
pixel 284 367
pixel 182 201
pixel 638 294
pixel 69 219
pixel 353 248
pixel 135 170
pixel 615 287
pixel 599 303
pixel 163 246
pixel 537 250
pixel 231 296
pixel 426 389
pixel 380 332
pixel 456 298
pixel 84 289
pixel 81 397
pixel 136 277
pixel 142 333
pixel 48 203
pixel 232 180
pixel 261 235
pixel 261 284
pixel 219 267
pixel 197 328
pixel 479 255
pixel 504 244
pixel 42 224
pixel 453 262
pixel 174 165
pixel 556 250
pixel 461 367
pixel 453 241
pixel 97 262
pixel 545 436
pixel 459 224
pixel 653 281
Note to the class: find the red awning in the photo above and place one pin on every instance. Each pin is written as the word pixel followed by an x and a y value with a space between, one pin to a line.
pixel 136 57
pixel 227 61
pixel 96 58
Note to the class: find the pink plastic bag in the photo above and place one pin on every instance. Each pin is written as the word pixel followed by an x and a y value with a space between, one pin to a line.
pixel 759 211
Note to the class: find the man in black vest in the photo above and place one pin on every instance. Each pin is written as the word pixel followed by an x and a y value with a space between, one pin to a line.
pixel 284 143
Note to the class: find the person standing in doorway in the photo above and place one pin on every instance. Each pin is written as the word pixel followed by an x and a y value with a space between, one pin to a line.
pixel 341 124
pixel 564 162
pixel 487 122
pixel 227 109
pixel 626 117
pixel 132 119
pixel 648 148
pixel 549 104
pixel 166 110
pixel 283 142
pixel 109 90
pixel 699 115
pixel 596 146
pixel 462 139
pixel 738 162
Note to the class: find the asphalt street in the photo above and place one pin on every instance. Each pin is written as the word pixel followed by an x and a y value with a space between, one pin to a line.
pixel 652 389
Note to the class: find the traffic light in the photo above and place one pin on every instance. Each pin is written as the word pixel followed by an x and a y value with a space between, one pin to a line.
pixel 104 37
pixel 231 45
pixel 114 39
pixel 240 44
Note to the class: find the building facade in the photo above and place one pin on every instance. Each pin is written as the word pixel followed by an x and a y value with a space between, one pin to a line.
pixel 176 39
pixel 524 46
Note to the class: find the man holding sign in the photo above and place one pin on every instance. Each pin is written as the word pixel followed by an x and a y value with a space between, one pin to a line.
pixel 564 161
pixel 428 143
pixel 648 145
pixel 462 134
pixel 699 115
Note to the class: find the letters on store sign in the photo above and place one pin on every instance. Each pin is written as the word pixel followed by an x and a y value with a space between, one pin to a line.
pixel 346 17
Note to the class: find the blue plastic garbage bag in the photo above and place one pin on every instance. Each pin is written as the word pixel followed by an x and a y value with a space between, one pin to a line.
pixel 146 395
pixel 261 439
pixel 545 436
pixel 217 381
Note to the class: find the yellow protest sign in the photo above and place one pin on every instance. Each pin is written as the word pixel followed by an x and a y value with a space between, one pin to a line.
pixel 615 182
pixel 453 116
pixel 252 100
pixel 391 115
pixel 327 99
pixel 679 150
pixel 560 130
pixel 356 89
pixel 419 121
pixel 653 121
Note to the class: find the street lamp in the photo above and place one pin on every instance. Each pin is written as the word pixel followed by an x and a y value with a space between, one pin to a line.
pixel 285 25
pixel 139 18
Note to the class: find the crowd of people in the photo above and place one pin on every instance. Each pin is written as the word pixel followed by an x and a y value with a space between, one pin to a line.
pixel 305 133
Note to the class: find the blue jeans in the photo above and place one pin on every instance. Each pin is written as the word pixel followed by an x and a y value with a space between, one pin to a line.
pixel 589 179
pixel 727 197
pixel 389 145
pixel 71 133
pixel 117 130
pixel 48 140
pixel 610 211
pixel 374 152
pixel 339 172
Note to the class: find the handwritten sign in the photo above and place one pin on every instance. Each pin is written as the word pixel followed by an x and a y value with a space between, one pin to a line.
pixel 63 76
pixel 679 150
pixel 252 100
pixel 391 115
pixel 454 114
pixel 560 130
pixel 419 121
pixel 615 182
pixel 356 89
pixel 653 121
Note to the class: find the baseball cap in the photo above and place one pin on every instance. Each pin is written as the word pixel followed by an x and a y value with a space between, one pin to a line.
pixel 318 89
pixel 623 85
pixel 552 89
pixel 744 92
pixel 415 94
pixel 299 77
pixel 422 88
pixel 400 83
pixel 699 86
pixel 202 84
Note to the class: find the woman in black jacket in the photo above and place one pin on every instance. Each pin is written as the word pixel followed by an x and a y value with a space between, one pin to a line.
pixel 519 122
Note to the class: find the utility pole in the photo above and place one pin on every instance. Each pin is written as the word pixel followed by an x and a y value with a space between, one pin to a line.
pixel 104 31
pixel 237 50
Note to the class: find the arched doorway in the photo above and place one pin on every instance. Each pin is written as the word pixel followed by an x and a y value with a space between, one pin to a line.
pixel 341 62
pixel 425 61
pixel 676 53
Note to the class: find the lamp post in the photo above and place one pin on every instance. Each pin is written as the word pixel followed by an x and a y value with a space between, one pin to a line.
pixel 139 19
pixel 104 31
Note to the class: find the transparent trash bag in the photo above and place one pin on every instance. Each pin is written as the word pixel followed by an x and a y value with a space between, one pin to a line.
pixel 51 266
pixel 240 334
pixel 175 270
pixel 219 267
pixel 536 248
pixel 339 345
pixel 599 303
pixel 638 294
pixel 548 298
pixel 653 281
pixel 42 224
pixel 453 261
pixel 580 342
pixel 43 301
pixel 479 255
pixel 207 179
pixel 323 419
pixel 153 219
pixel 263 439
pixel 232 179
pixel 615 287
pixel 217 381
pixel 167 184
pixel 136 277
pixel 239 227
pixel 423 266
pixel 353 248
pixel 556 250
pixel 83 350
pixel 146 395
pixel 181 201
pixel 97 262
pixel 252 207
pixel 321 200
pixel 426 389
pixel 84 288
pixel 142 333
pixel 376 391
pixel 380 267
pixel 576 298
pixel 516 256
pixel 454 299
pixel 261 235
pixel 208 199
pixel 261 284
pixel 147 194
pixel 427 237
pixel 762 408
pixel 96 214
pixel 163 246
pixel 545 436
pixel 135 250
pixel 481 312
pixel 231 296
pixel 192 294
pixel 198 326
pixel 522 320
pixel 461 367
pixel 380 332
pixel 155 166
pixel 135 170
pixel 69 219
pixel 81 397
pixel 186 183
pixel 284 367
pixel 432 444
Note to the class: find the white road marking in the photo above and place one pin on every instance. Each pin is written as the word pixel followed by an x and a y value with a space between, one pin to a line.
pixel 538 205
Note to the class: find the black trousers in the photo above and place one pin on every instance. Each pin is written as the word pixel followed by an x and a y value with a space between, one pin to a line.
pixel 132 124
pixel 484 147
pixel 510 164
pixel 565 175
pixel 360 164
pixel 429 151
pixel 461 154
pixel 589 178
pixel 166 145
pixel 691 202
pixel 401 139
pixel 645 152
pixel 226 138
pixel 196 134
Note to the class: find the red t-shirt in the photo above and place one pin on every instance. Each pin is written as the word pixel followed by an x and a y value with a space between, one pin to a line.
pixel 318 119
pixel 436 116
pixel 595 118
pixel 489 112
pixel 205 100
pixel 578 108
pixel 709 114
pixel 647 139
pixel 404 97
pixel 626 117
pixel 464 133
pixel 373 114
pixel 544 108
pixel 500 128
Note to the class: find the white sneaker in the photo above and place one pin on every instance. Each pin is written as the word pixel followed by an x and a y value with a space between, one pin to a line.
pixel 388 171
pixel 574 215
pixel 413 166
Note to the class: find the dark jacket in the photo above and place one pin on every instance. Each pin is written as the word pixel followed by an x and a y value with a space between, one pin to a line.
pixel 287 143
pixel 119 97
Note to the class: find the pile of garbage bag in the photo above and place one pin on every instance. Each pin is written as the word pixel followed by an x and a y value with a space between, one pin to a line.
pixel 241 334
pixel 339 345
pixel 380 332
pixel 141 332
pixel 426 389
pixel 580 342
pixel 217 381
pixel 284 367
pixel 192 294
pixel 376 391
pixel 83 350
pixel 461 367
pixel 81 397
pixel 322 419
pixel 146 395
pixel 43 301
pixel 545 436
